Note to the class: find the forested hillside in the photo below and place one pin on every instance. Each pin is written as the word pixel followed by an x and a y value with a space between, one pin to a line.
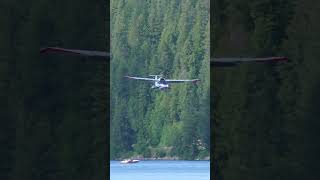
pixel 152 37
pixel 53 108
pixel 266 119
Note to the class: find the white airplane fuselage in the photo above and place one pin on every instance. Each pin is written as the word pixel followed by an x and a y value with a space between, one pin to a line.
pixel 160 83
pixel 160 86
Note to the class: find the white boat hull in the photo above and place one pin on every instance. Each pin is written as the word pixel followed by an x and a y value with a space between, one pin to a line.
pixel 129 161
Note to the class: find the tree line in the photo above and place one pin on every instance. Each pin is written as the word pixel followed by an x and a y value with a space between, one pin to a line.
pixel 160 37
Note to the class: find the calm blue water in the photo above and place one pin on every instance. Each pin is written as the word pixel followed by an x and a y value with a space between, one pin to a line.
pixel 160 170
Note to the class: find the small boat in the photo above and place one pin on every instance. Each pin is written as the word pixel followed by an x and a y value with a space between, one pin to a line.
pixel 127 161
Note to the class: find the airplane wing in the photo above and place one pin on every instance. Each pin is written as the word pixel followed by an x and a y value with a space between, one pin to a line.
pixel 181 80
pixel 235 61
pixel 74 51
pixel 140 78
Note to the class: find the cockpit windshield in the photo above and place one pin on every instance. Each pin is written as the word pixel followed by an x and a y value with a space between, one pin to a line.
pixel 163 81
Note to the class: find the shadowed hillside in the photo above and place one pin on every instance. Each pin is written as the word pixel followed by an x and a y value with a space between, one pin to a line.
pixel 265 123
pixel 53 108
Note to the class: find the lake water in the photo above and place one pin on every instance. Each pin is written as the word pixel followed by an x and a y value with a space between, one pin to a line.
pixel 160 170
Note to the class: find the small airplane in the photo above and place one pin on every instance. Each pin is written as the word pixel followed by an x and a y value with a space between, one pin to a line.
pixel 162 83
pixel 216 62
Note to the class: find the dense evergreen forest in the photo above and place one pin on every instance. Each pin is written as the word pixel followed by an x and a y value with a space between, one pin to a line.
pixel 266 120
pixel 53 108
pixel 152 37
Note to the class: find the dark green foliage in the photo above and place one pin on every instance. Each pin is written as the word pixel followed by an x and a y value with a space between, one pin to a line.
pixel 152 37
pixel 53 108
pixel 265 118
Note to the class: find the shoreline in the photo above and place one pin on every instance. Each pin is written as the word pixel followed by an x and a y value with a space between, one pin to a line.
pixel 163 158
